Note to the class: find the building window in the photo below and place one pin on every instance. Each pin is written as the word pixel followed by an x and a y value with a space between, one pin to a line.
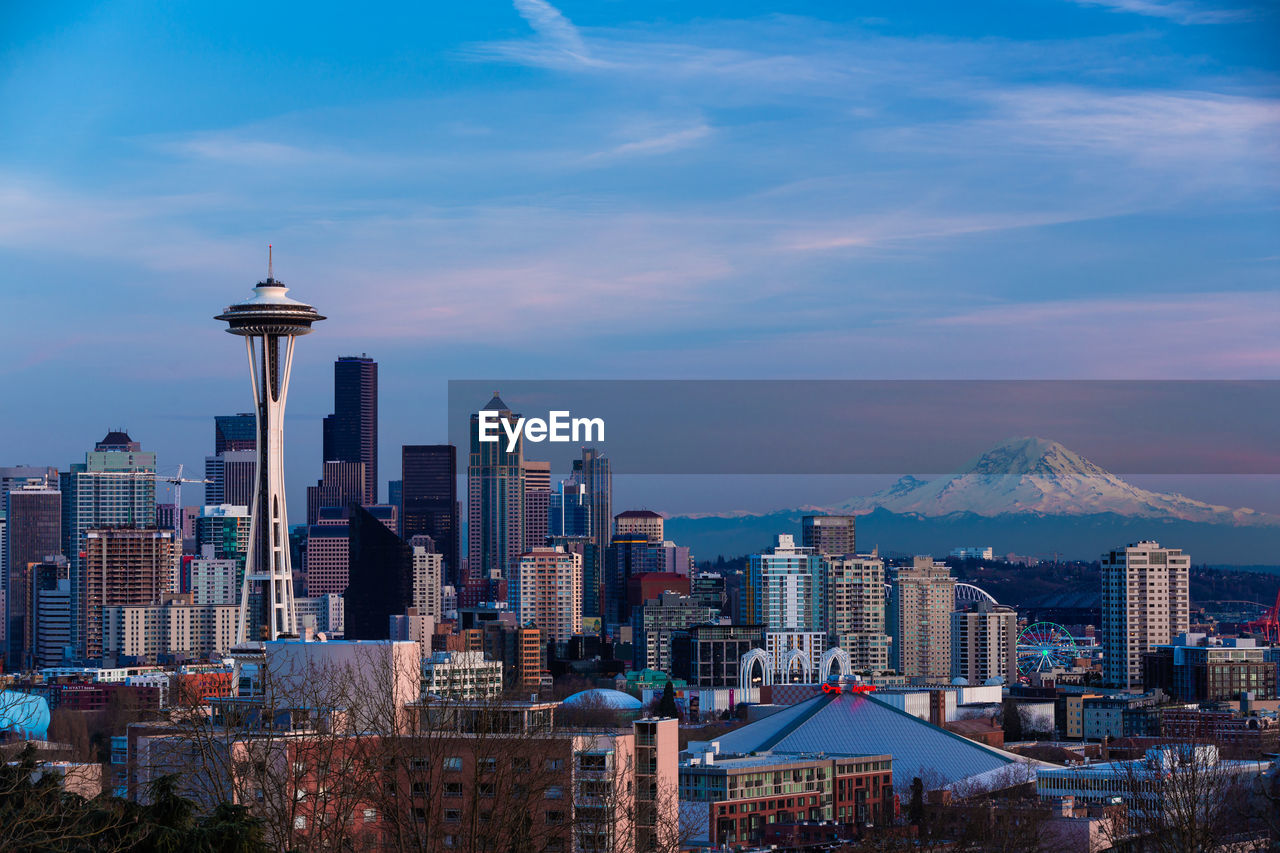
pixel 555 818
pixel 452 816
pixel 370 815
pixel 453 762
pixel 453 789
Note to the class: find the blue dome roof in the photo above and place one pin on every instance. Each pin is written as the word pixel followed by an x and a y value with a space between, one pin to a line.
pixel 25 714
pixel 612 699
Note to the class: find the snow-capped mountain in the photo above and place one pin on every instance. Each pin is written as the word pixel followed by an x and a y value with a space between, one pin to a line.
pixel 1036 476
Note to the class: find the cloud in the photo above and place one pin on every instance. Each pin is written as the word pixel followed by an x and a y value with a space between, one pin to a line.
pixel 661 143
pixel 557 32
pixel 1175 10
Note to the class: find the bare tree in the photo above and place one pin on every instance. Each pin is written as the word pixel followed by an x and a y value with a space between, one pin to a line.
pixel 1183 798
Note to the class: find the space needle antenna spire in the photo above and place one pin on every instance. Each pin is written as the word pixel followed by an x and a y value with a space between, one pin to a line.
pixel 270 274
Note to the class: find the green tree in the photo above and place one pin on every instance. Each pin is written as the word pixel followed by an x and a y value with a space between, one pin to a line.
pixel 1012 721
pixel 667 704
pixel 915 811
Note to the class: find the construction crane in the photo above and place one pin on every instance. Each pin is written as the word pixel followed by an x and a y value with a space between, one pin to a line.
pixel 1269 625
pixel 176 481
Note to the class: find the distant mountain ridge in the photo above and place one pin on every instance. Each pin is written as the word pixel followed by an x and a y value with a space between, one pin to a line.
pixel 1038 476
pixel 1030 495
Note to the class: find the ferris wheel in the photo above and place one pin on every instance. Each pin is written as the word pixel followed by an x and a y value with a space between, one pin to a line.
pixel 1043 646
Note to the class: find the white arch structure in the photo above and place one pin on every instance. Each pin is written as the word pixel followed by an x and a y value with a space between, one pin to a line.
pixel 789 661
pixel 835 655
pixel 747 662
pixel 967 593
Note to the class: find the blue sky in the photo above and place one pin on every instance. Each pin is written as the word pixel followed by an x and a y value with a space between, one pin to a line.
pixel 1043 188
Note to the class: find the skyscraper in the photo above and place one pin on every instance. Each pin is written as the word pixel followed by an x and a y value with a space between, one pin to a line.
pixel 15 477
pixel 828 534
pixel 645 522
pixel 122 566
pixel 569 510
pixel 266 321
pixel 341 484
pixel 114 487
pixel 34 522
pixel 784 589
pixel 235 432
pixel 550 592
pixel 1145 603
pixel 495 509
pixel 537 503
pixel 427 566
pixel 230 470
pixel 855 609
pixel 984 643
pixel 429 493
pixel 920 604
pixel 383 562
pixel 351 432
pixel 594 471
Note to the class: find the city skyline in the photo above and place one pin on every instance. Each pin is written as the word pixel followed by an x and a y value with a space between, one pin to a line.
pixel 901 193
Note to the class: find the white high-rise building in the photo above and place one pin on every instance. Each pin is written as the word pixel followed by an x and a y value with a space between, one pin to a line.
pixel 1145 603
pixel 214 581
pixel 784 589
pixel 550 595
pixel 984 643
pixel 428 579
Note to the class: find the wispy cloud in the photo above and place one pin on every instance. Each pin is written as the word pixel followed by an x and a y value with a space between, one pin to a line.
pixel 557 32
pixel 658 143
pixel 1179 11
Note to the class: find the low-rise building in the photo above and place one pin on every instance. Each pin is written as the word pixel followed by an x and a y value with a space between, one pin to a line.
pixel 1138 784
pixel 177 629
pixel 1198 668
pixel 461 675
pixel 709 655
pixel 1122 715
pixel 733 800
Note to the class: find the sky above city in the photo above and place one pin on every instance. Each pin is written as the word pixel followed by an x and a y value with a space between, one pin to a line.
pixel 1029 189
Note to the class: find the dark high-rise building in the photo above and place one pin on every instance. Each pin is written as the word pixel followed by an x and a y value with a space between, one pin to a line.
pixel 395 495
pixel 828 534
pixel 429 500
pixel 569 510
pixel 232 467
pixel 34 524
pixel 235 432
pixel 537 503
pixel 381 571
pixel 351 432
pixel 343 484
pixel 230 475
pixel 627 555
pixel 495 507
pixel 594 472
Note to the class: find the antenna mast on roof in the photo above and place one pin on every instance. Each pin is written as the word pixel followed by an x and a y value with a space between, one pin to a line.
pixel 270 275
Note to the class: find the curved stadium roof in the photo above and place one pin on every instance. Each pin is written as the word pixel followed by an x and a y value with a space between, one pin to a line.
pixel 860 724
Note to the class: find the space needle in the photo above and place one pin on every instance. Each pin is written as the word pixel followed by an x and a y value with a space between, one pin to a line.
pixel 267 322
